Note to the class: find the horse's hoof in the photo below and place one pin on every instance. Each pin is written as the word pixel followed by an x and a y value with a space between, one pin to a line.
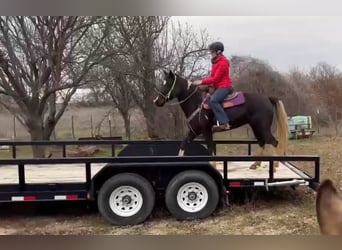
pixel 213 164
pixel 254 166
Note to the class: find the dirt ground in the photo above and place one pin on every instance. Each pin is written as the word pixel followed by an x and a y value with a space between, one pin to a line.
pixel 283 211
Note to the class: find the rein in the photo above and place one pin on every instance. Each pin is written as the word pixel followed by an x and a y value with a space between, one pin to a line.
pixel 185 99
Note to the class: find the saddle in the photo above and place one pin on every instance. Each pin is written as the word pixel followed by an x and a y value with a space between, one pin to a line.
pixel 234 99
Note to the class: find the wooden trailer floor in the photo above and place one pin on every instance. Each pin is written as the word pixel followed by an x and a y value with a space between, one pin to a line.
pixel 61 173
pixel 68 173
pixel 241 170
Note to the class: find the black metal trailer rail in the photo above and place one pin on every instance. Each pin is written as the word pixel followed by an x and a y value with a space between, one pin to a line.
pixel 64 143
pixel 80 191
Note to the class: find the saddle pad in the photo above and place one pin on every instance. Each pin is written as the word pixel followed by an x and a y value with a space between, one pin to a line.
pixel 237 98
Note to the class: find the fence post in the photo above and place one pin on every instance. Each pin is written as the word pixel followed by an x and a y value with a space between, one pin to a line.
pixel 72 127
pixel 14 128
pixel 91 126
pixel 336 122
pixel 110 125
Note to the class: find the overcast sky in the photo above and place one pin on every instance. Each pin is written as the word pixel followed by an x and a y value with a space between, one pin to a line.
pixel 282 41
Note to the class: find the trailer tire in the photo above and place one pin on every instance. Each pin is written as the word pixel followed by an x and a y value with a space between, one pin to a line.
pixel 126 199
pixel 191 195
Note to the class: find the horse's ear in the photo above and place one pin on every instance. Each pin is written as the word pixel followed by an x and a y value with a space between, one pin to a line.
pixel 171 74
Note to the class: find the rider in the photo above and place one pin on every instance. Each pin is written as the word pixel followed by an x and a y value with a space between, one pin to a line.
pixel 222 84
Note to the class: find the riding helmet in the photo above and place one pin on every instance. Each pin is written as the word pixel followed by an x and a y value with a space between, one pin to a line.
pixel 216 46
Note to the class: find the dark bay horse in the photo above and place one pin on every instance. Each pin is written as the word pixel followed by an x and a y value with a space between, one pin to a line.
pixel 255 109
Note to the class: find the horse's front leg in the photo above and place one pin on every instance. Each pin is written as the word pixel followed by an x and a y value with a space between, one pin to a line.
pixel 190 136
pixel 208 136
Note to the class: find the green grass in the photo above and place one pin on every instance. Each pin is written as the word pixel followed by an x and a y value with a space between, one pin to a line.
pixel 107 152
pixel 22 152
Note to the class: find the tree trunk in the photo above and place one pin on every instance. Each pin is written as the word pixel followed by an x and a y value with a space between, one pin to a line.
pixel 53 135
pixel 179 123
pixel 127 121
pixel 37 135
pixel 149 113
pixel 152 131
pixel 336 122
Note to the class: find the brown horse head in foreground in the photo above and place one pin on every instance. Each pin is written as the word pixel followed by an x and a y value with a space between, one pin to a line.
pixel 329 209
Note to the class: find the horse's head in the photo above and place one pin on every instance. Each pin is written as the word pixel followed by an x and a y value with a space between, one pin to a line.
pixel 329 209
pixel 169 89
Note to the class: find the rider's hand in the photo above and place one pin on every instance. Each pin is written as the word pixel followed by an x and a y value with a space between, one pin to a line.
pixel 197 82
pixel 189 84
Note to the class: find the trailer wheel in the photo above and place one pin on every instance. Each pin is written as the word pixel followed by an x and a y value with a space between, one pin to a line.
pixel 192 195
pixel 126 199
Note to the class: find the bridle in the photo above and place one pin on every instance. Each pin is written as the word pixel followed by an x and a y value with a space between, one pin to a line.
pixel 167 96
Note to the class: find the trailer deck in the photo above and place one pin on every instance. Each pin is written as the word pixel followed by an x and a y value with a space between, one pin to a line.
pixel 48 173
pixel 69 173
pixel 241 170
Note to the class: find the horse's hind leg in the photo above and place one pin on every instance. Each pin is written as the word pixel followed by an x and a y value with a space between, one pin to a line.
pixel 272 141
pixel 258 163
pixel 261 142
pixel 275 151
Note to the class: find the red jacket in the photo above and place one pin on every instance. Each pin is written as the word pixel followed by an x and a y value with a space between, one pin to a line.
pixel 219 74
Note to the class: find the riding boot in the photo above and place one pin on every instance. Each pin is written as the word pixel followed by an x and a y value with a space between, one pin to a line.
pixel 221 127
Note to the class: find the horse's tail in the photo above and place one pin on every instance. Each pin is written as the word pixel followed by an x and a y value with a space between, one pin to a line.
pixel 282 125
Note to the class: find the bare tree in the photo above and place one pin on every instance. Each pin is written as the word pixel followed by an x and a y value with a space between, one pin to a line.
pixel 183 50
pixel 307 102
pixel 254 75
pixel 327 81
pixel 40 57
pixel 115 79
pixel 137 37
pixel 96 95
pixel 147 45
pixel 116 85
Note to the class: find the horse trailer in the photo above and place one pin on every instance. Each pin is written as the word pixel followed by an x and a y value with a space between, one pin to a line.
pixel 126 185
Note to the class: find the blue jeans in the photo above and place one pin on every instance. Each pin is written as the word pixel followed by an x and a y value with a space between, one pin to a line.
pixel 216 104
